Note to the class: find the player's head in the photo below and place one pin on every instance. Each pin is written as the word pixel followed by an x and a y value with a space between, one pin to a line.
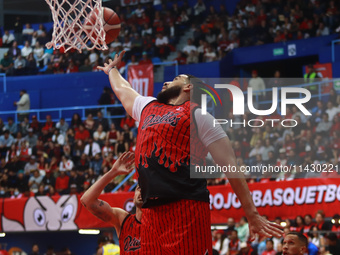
pixel 180 85
pixel 137 199
pixel 295 243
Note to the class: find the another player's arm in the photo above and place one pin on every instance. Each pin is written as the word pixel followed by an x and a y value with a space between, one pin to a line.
pixel 223 155
pixel 100 208
pixel 121 87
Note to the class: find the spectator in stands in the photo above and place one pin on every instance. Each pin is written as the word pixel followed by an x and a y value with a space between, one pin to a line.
pixel 62 125
pixel 52 192
pixel 243 230
pixel 14 51
pixel 31 166
pixel 220 241
pixel 72 67
pixel 82 133
pixel 23 105
pixel 27 32
pixel 210 55
pixel 49 69
pixel 145 59
pixel 324 125
pixel 48 180
pixel 91 148
pixel 26 50
pixel 234 243
pixel 31 65
pixel 11 126
pixel 6 65
pixel 199 9
pixel 192 58
pixel 269 248
pixel 35 250
pixel 105 97
pixel 99 135
pixel 320 221
pixel 89 123
pixel 86 67
pixel 76 121
pixel 62 182
pixel 6 141
pixel 31 138
pixel 162 45
pixel 257 84
pixel 189 47
pixel 322 30
pixel 19 65
pixel 35 180
pixel 127 120
pixel 95 167
pixel 315 237
pixel 331 110
pixel 113 134
pixel 66 164
pixel 181 60
pixel 121 146
pixel 7 39
pixel 78 149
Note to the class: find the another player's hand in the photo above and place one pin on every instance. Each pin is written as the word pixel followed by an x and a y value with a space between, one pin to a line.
pixel 259 225
pixel 112 63
pixel 124 164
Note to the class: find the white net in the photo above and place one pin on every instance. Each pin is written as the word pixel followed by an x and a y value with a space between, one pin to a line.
pixel 78 24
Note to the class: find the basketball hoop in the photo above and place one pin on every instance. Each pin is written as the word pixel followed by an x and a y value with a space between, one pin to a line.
pixel 69 31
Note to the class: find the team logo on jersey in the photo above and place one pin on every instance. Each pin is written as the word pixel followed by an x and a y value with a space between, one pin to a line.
pixel 131 244
pixel 153 119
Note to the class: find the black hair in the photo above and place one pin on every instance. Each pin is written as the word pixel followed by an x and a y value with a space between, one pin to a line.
pixel 301 237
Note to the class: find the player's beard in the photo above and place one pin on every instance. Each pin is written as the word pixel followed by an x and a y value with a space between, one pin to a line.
pixel 165 96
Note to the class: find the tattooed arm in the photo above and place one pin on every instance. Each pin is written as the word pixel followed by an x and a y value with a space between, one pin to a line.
pixel 102 209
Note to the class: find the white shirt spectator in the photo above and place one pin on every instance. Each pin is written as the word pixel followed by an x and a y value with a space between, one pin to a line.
pixel 27 30
pixel 115 44
pixel 188 48
pixel 93 57
pixel 38 52
pixel 139 12
pixel 199 8
pixel 26 51
pixel 24 103
pixel 257 84
pixel 95 149
pixel 162 41
pixel 332 112
pixel 127 46
pixel 7 38
pixel 210 56
pixel 66 166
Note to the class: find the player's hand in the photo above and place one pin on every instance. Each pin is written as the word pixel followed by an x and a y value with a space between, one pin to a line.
pixel 124 164
pixel 263 227
pixel 112 63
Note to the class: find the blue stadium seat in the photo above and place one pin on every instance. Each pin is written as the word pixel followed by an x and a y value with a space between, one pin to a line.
pixel 156 60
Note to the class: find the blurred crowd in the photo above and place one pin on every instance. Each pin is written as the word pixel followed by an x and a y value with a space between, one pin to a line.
pixel 149 33
pixel 323 236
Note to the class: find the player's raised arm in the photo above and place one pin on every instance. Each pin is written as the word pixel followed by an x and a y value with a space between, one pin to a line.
pixel 101 209
pixel 223 155
pixel 121 87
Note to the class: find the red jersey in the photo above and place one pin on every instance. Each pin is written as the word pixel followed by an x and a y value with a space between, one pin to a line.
pixel 234 247
pixel 167 141
pixel 129 238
